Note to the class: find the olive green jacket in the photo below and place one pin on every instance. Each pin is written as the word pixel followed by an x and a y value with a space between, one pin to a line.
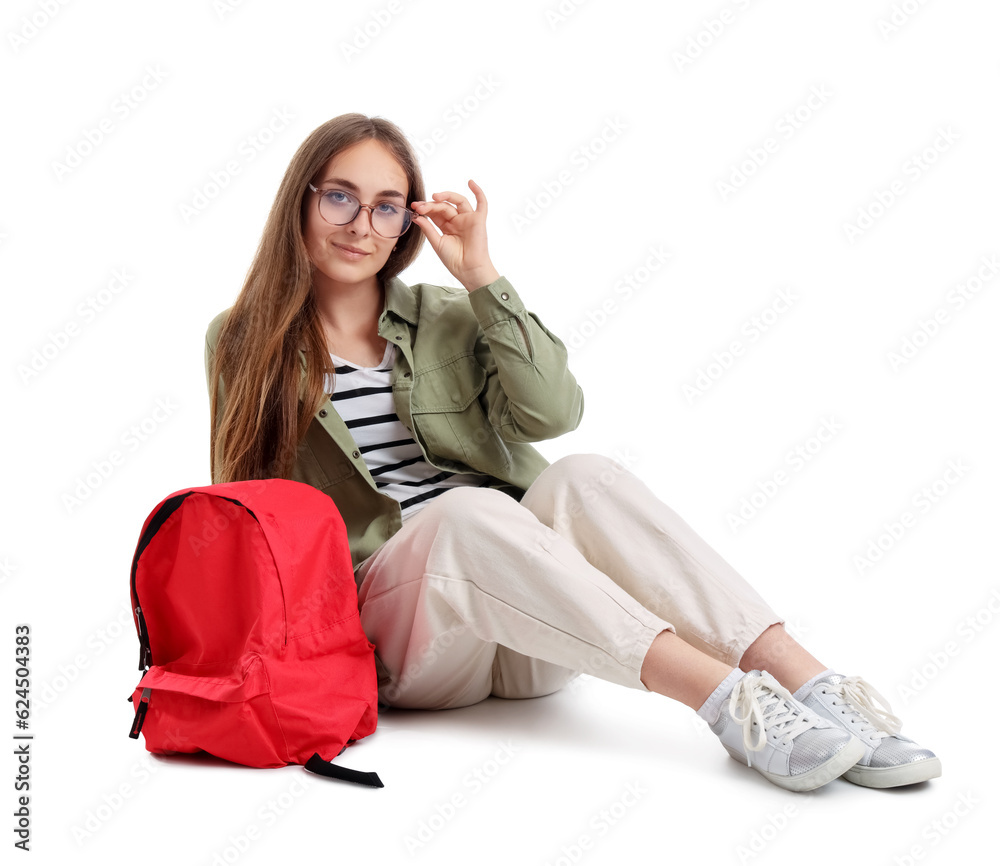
pixel 477 377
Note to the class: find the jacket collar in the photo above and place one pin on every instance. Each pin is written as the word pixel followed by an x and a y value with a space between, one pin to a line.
pixel 400 300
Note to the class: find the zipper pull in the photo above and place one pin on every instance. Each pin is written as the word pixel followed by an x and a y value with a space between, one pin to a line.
pixel 140 714
pixel 145 654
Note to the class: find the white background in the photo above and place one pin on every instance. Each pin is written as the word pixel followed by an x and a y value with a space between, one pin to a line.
pixel 537 87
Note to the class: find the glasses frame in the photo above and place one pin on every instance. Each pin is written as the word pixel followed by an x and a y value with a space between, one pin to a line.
pixel 371 221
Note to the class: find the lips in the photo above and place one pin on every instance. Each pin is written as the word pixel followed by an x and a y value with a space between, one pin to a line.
pixel 352 252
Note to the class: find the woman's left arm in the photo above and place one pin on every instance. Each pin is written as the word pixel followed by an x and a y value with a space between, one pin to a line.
pixel 530 393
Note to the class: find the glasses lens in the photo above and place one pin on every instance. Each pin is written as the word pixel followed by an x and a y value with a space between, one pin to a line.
pixel 338 207
pixel 390 220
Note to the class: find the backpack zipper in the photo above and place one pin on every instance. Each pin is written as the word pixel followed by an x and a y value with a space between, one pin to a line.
pixel 145 656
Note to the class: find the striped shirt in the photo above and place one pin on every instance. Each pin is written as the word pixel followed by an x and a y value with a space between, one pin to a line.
pixel 362 397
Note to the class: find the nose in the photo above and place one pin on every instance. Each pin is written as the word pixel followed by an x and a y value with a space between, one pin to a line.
pixel 362 223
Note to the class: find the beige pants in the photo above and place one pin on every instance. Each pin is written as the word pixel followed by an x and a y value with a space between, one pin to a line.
pixel 479 594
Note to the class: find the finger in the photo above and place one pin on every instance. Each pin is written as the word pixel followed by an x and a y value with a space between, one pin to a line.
pixel 458 200
pixel 440 213
pixel 429 232
pixel 480 197
pixel 438 207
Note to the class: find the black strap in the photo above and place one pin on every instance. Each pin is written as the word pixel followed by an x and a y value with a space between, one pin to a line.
pixel 324 768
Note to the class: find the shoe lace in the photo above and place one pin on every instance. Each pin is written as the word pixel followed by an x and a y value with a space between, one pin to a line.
pixel 765 701
pixel 861 697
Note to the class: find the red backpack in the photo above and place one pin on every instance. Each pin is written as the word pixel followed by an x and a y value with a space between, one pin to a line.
pixel 250 639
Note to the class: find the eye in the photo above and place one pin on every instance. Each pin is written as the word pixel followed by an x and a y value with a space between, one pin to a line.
pixel 388 208
pixel 338 196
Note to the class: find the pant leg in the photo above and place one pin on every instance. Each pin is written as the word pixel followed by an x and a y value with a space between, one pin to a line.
pixel 626 532
pixel 474 595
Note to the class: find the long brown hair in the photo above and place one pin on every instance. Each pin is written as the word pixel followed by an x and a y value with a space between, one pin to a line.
pixel 265 416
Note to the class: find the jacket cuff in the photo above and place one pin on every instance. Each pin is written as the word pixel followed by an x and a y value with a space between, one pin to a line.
pixel 495 302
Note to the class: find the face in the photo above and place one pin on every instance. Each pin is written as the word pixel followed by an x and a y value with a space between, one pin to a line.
pixel 351 255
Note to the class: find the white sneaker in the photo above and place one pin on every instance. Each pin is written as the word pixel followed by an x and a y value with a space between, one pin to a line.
pixel 787 743
pixel 889 759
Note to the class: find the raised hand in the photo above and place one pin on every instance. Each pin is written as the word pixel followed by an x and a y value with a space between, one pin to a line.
pixel 461 245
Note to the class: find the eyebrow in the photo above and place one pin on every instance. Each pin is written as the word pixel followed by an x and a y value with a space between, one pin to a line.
pixel 353 187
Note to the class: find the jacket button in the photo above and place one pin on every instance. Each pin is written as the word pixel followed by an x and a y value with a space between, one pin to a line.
pixel 406 375
pixel 322 413
pixel 356 455
pixel 504 296
pixel 399 338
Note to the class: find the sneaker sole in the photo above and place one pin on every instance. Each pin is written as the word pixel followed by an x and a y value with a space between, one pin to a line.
pixel 821 775
pixel 894 777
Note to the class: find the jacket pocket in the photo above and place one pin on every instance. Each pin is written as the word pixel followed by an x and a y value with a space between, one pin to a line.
pixel 320 461
pixel 449 417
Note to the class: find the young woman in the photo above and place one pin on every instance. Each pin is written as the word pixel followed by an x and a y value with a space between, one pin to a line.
pixel 481 568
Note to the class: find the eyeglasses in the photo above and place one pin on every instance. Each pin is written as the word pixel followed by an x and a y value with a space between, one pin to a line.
pixel 339 208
